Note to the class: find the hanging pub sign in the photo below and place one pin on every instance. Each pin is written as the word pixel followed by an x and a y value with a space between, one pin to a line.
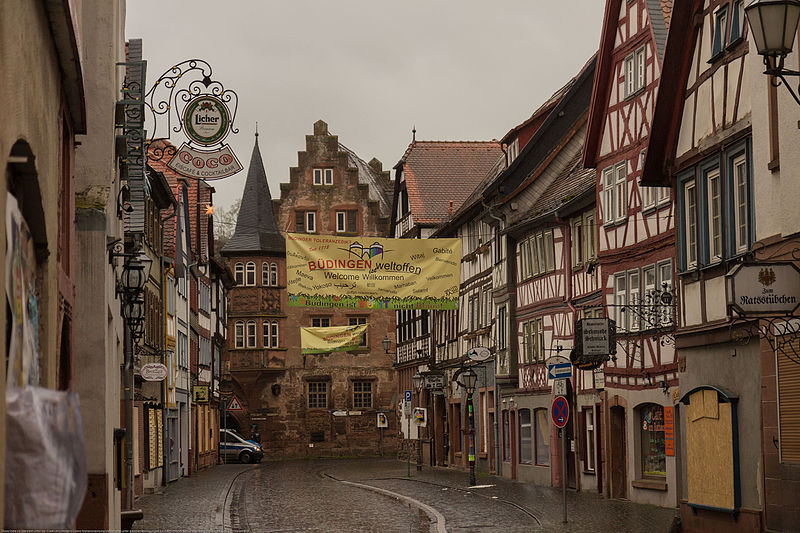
pixel 759 289
pixel 204 110
pixel 595 341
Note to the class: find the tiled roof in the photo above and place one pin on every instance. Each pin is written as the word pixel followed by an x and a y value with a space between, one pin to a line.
pixel 570 183
pixel 440 172
pixel 378 186
pixel 256 229
pixel 541 110
pixel 660 13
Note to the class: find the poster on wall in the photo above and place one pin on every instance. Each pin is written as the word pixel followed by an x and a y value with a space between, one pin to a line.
pixel 372 272
pixel 23 346
pixel 332 339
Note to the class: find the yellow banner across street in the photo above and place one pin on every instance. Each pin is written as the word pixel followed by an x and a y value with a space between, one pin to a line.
pixel 372 272
pixel 332 339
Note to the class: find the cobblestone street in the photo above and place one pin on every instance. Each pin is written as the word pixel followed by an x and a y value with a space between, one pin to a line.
pixel 375 495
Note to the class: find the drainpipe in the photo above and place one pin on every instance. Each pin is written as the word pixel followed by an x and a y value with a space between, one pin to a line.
pixel 164 410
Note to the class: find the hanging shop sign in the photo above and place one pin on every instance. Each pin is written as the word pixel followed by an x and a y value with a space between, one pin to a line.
pixel 372 272
pixel 760 289
pixel 332 339
pixel 153 372
pixel 204 110
pixel 433 381
pixel 479 353
pixel 200 393
pixel 595 342
pixel 205 165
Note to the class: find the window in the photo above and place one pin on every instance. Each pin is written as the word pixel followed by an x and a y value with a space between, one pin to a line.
pixel 741 239
pixel 620 193
pixel 501 328
pixel 537 255
pixel 737 20
pixel 788 396
pixel 576 239
pixel 690 224
pixel 323 176
pixel 615 207
pixel 589 444
pixel 274 334
pixel 305 221
pixel 525 436
pixel 251 333
pixel 583 241
pixel 506 435
pixel 359 321
pixel 714 215
pixel 317 394
pixel 273 274
pixel 542 441
pixel 498 245
pixel 633 300
pixel 653 459
pixel 590 236
pixel 321 322
pixel 533 337
pixel 265 274
pixel 238 271
pixel 720 31
pixel 620 300
pixel 512 150
pixel 250 275
pixel 634 66
pixel 170 295
pixel 346 221
pixel 239 334
pixel 362 394
pixel 715 218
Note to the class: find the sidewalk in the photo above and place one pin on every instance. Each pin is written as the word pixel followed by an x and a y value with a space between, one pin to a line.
pixel 586 512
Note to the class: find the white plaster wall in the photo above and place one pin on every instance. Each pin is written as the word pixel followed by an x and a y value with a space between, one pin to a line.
pixel 691 303
pixel 715 299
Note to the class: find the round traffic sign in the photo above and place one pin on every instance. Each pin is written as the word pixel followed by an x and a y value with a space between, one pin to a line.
pixel 559 411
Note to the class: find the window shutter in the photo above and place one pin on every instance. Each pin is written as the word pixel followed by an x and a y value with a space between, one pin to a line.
pixel 351 222
pixel 300 222
pixel 789 402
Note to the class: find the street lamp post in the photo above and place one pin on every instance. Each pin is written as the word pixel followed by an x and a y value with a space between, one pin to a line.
pixel 135 272
pixel 773 24
pixel 469 379
pixel 418 379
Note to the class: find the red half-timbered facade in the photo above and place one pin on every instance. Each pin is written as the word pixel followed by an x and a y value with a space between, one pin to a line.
pixel 636 234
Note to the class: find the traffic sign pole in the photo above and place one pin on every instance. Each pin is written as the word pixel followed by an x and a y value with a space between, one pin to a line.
pixel 564 471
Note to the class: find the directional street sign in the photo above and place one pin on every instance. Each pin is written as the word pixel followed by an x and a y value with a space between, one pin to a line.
pixel 560 411
pixel 559 370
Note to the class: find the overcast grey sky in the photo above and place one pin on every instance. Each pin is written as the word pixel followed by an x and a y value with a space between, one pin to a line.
pixel 371 69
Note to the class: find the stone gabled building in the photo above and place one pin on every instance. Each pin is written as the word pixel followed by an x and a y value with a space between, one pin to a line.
pixel 307 404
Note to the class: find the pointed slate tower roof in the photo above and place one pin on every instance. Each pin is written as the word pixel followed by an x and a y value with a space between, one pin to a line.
pixel 256 229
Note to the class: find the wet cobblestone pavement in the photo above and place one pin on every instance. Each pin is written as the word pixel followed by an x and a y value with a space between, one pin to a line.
pixel 376 495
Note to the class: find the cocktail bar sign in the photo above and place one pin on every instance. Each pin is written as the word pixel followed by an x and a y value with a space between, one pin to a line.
pixel 763 289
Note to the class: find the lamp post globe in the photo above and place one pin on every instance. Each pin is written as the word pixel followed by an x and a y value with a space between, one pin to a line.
pixel 773 24
pixel 469 379
pixel 387 343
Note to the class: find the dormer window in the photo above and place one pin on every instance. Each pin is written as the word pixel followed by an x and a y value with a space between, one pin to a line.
pixel 323 176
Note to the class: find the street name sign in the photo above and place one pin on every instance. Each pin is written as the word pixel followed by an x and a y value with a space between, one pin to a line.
pixel 560 411
pixel 559 370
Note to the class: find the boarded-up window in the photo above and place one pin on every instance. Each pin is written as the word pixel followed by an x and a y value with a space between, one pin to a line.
pixel 789 404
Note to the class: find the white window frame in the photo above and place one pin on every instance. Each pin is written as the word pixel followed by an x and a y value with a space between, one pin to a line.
pixel 274 337
pixel 608 195
pixel 311 222
pixel 620 300
pixel 265 274
pixel 273 274
pixel 341 221
pixel 641 72
pixel 265 333
pixel 621 191
pixel 362 394
pixel 323 176
pixel 501 328
pixel 328 176
pixel 239 334
pixel 633 299
pixel 590 235
pixel 576 242
pixel 714 220
pixel 250 274
pixel 690 223
pixel 251 334
pixel 740 204
pixel 589 438
pixel 238 273
pixel 664 273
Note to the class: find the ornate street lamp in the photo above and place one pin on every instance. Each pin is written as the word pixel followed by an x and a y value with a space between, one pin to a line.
pixel 773 24
pixel 387 343
pixel 468 380
pixel 418 379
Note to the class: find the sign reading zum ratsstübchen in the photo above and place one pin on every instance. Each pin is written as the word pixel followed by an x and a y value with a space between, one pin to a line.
pixel 763 288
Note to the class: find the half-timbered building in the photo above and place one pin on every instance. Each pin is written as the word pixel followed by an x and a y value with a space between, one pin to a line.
pixel 635 231
pixel 701 146
pixel 432 181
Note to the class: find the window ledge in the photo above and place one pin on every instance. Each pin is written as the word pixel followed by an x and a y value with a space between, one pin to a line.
pixel 649 484
pixel 589 473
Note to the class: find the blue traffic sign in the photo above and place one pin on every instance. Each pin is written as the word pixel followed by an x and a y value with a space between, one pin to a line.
pixel 407 396
pixel 560 411
pixel 559 370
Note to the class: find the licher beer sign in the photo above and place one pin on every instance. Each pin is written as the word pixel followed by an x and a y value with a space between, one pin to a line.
pixel 372 272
